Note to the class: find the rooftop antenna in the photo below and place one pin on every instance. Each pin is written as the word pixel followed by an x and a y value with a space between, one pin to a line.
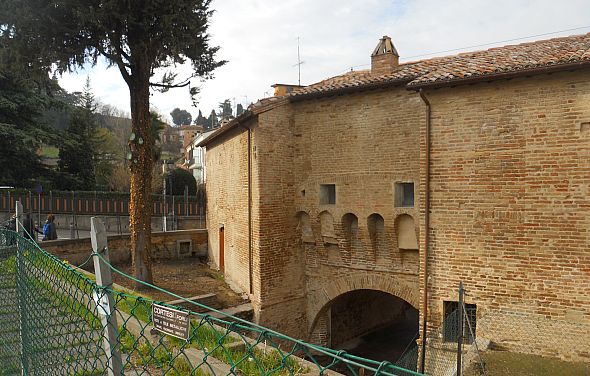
pixel 299 62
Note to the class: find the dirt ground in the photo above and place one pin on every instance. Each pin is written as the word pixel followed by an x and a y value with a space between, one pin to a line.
pixel 504 363
pixel 186 277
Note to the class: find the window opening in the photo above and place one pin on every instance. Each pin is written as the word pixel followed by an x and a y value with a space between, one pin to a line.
pixel 327 194
pixel 404 195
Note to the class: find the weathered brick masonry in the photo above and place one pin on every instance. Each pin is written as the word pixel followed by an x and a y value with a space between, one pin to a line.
pixel 229 206
pixel 360 145
pixel 510 209
pixel 165 245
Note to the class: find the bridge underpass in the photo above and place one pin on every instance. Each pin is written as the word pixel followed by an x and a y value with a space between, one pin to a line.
pixel 369 323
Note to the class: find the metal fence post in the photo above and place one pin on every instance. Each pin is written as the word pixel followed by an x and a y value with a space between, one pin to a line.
pixel 460 329
pixel 20 288
pixel 74 218
pixel 39 210
pixel 18 207
pixel 104 297
pixel 173 210
pixel 186 200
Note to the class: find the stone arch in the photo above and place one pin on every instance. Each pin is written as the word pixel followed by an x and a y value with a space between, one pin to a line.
pixel 405 230
pixel 319 301
pixel 304 226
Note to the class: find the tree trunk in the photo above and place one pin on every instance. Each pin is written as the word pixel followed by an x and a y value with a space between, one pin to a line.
pixel 141 165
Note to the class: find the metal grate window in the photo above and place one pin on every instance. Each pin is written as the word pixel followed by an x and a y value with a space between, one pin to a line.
pixel 451 322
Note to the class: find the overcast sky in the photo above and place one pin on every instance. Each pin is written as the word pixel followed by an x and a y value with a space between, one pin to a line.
pixel 259 40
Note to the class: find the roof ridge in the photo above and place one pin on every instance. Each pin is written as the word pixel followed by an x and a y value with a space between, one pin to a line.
pixel 565 50
pixel 505 46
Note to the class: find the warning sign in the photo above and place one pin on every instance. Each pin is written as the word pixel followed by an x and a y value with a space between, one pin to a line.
pixel 171 321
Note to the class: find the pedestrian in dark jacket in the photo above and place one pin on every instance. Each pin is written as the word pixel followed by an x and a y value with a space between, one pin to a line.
pixel 49 230
pixel 30 229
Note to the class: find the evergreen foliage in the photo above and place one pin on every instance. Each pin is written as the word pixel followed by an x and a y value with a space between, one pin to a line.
pixel 77 152
pixel 212 121
pixel 200 119
pixel 225 110
pixel 177 179
pixel 23 98
pixel 139 38
pixel 181 117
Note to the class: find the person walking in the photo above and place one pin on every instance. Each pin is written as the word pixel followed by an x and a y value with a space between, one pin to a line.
pixel 49 228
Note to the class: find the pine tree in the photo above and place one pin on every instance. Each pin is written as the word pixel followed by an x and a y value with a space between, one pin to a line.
pixel 225 110
pixel 213 122
pixel 200 119
pixel 76 152
pixel 22 131
pixel 181 117
pixel 137 37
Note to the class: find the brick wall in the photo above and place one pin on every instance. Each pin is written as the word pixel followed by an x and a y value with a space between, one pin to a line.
pixel 164 245
pixel 511 204
pixel 227 203
pixel 363 143
pixel 279 268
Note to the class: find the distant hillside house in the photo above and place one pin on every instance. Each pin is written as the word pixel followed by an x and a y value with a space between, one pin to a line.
pixel 195 157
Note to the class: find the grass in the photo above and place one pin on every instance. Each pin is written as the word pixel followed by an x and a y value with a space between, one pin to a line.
pixel 167 354
pixel 49 151
pixel 504 363
pixel 58 284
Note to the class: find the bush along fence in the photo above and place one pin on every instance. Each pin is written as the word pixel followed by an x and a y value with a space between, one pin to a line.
pixel 97 203
pixel 55 320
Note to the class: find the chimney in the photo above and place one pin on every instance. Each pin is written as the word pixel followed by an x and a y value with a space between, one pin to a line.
pixel 384 58
pixel 284 89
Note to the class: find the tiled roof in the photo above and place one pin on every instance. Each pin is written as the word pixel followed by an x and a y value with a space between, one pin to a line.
pixel 521 58
pixel 524 57
pixel 254 109
pixel 360 79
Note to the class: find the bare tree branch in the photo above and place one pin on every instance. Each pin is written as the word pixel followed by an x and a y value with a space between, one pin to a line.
pixel 120 64
pixel 169 86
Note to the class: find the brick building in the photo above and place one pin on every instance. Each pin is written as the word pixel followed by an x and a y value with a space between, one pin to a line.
pixel 334 204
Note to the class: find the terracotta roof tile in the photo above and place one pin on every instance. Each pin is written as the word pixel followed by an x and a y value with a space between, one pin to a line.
pixel 512 58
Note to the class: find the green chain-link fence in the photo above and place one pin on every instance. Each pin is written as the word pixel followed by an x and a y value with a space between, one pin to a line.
pixel 442 345
pixel 53 321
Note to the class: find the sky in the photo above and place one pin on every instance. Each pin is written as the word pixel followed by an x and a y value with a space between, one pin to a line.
pixel 259 40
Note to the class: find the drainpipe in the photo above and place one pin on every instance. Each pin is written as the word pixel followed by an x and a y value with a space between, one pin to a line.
pixel 250 282
pixel 426 231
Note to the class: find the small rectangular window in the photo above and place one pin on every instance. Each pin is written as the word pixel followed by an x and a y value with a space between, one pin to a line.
pixel 451 323
pixel 328 194
pixel 404 195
